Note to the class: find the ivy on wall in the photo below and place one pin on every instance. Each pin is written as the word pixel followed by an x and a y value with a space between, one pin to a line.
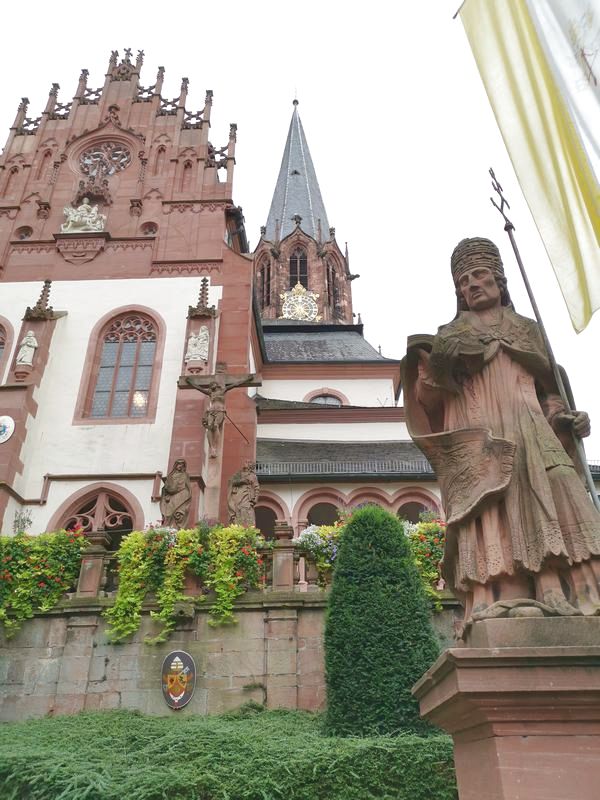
pixel 226 560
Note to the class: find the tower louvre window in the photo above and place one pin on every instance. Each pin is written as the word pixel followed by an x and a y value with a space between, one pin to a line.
pixel 264 276
pixel 332 289
pixel 298 268
pixel 126 363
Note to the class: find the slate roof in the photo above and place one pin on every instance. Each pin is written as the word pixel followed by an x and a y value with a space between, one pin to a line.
pixel 273 404
pixel 279 459
pixel 328 343
pixel 297 189
pixel 271 450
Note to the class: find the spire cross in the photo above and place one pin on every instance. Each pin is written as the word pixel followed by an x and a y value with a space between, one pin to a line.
pixel 503 201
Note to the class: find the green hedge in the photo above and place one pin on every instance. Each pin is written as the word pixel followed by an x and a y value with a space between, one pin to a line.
pixel 272 755
pixel 378 634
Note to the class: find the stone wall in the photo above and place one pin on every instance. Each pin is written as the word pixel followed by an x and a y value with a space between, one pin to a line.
pixel 61 662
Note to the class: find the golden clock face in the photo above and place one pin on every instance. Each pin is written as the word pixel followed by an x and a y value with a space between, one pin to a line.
pixel 300 304
pixel 300 307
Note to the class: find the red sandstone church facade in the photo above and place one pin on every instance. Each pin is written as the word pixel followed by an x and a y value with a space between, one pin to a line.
pixel 120 242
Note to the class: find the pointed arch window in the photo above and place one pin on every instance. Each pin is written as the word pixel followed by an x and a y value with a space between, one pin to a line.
pixel 332 289
pixel 126 358
pixel 159 161
pixel 3 338
pixel 298 268
pixel 264 283
pixel 186 177
pixel 44 167
pixel 11 181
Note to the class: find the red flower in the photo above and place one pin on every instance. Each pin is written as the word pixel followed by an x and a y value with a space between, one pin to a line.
pixel 239 574
pixel 42 585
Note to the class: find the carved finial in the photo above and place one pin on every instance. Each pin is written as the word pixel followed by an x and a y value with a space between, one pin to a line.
pixel 263 230
pixel 41 309
pixel 332 233
pixel 84 74
pixel 185 82
pixel 295 103
pixel 379 348
pixel 233 132
pixel 24 104
pixel 140 59
pixel 112 61
pixel 42 303
pixel 160 74
pixel 209 97
pixel 203 296
pixel 359 318
pixel 297 219
pixel 127 52
pixel 54 90
pixel 201 309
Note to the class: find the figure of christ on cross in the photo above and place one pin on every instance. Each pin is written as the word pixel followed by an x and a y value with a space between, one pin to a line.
pixel 215 387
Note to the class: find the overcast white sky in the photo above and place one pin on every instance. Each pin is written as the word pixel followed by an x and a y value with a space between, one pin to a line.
pixel 396 117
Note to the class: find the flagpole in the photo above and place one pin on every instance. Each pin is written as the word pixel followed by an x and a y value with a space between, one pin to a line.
pixel 509 228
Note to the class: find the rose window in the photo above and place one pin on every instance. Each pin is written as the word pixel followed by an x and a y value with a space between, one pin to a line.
pixel 104 159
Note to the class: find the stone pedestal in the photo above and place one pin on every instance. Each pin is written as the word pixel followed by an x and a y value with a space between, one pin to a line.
pixel 91 574
pixel 523 708
pixel 283 558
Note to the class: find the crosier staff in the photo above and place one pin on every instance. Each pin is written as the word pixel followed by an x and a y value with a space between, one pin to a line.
pixel 509 228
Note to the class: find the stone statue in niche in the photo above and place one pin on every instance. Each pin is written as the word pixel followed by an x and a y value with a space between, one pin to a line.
pixel 197 347
pixel 176 496
pixel 242 495
pixel 523 538
pixel 27 349
pixel 83 219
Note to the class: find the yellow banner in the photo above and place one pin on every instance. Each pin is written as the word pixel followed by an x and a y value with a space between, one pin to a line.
pixel 515 47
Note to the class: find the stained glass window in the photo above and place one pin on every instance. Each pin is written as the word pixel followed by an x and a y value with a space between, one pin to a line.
pixel 124 378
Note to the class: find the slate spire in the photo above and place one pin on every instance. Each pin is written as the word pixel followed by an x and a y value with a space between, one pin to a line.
pixel 297 191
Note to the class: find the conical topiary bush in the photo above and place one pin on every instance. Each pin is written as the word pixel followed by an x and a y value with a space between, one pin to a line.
pixel 378 635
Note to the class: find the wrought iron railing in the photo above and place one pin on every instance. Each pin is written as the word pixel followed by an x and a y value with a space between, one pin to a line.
pixel 366 467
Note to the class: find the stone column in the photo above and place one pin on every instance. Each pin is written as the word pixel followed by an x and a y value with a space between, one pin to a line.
pixel 522 703
pixel 283 558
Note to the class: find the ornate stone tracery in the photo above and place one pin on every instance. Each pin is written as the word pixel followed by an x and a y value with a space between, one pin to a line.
pixel 102 512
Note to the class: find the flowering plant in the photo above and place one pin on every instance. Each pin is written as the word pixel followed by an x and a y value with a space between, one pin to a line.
pixel 426 539
pixel 35 572
pixel 236 565
pixel 320 542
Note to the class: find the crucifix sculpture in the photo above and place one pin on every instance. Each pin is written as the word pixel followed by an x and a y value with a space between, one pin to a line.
pixel 215 388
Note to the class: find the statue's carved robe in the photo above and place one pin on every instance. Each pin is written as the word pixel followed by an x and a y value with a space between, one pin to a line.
pixel 513 499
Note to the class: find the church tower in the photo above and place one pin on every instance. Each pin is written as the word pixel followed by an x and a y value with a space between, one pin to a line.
pixel 300 272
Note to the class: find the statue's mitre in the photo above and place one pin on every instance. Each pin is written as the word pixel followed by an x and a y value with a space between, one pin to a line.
pixel 476 252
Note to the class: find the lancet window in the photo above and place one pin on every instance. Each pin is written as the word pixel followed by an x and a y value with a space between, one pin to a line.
pixel 264 283
pixel 127 349
pixel 331 285
pixel 2 341
pixel 298 268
